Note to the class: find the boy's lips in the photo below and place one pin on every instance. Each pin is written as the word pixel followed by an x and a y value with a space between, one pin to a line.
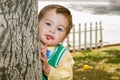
pixel 49 37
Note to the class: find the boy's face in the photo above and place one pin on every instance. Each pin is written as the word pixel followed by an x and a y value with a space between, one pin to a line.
pixel 52 28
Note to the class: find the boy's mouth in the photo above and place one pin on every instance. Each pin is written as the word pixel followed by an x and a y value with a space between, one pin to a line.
pixel 49 37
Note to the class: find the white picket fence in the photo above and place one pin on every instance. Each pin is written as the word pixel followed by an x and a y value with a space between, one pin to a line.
pixel 86 36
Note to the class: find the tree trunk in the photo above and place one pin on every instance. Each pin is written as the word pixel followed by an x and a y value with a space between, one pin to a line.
pixel 19 44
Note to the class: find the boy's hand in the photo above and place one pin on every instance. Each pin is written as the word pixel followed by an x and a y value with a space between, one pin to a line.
pixel 45 65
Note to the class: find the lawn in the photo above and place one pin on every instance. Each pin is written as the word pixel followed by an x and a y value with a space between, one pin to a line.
pixel 99 64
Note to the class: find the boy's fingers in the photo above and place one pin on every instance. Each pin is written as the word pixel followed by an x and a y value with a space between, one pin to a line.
pixel 43 52
pixel 43 46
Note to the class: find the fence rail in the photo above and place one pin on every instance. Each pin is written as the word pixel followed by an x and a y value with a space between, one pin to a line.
pixel 86 36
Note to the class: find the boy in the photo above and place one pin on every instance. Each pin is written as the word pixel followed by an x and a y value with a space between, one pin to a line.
pixel 55 23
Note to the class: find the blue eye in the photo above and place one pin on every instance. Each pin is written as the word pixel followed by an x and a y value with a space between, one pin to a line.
pixel 59 29
pixel 48 24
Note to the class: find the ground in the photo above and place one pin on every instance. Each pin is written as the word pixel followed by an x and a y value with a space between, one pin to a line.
pixel 98 64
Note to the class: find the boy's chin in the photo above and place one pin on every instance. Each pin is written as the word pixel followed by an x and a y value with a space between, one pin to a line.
pixel 51 44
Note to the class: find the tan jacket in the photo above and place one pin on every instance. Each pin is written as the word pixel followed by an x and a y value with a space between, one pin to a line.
pixel 64 71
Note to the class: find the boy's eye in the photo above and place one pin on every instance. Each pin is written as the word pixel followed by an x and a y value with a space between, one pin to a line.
pixel 48 24
pixel 59 29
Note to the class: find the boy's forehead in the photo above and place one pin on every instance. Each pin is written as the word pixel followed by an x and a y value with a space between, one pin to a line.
pixel 53 13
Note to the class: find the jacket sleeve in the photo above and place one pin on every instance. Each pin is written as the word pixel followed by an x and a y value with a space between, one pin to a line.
pixel 64 71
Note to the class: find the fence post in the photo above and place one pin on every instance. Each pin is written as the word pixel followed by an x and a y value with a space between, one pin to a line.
pixel 79 37
pixel 96 31
pixel 85 37
pixel 101 37
pixel 74 37
pixel 91 35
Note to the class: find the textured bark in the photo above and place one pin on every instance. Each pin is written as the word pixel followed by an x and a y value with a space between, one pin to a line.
pixel 19 44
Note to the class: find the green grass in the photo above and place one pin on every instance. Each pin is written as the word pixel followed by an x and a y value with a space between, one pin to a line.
pixel 104 63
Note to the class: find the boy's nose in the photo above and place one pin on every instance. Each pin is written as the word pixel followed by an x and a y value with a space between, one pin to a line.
pixel 52 30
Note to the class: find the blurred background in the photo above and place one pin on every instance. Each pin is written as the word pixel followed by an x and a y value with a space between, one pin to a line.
pixel 92 11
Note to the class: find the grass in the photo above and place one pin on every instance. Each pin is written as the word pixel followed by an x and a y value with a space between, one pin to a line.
pixel 104 64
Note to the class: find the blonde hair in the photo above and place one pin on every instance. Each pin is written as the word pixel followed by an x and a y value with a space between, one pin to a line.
pixel 59 9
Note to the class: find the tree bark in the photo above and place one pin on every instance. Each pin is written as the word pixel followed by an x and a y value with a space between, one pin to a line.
pixel 19 44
